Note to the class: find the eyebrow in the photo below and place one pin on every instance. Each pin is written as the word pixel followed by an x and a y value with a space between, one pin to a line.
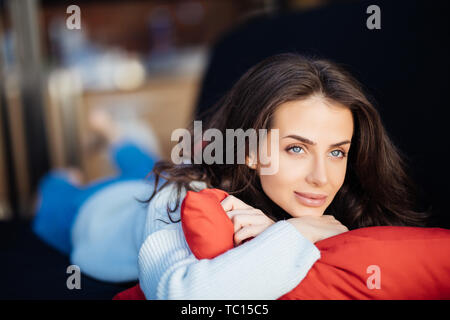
pixel 307 141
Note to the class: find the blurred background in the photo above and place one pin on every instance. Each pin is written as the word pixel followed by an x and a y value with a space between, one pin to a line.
pixel 153 65
pixel 140 61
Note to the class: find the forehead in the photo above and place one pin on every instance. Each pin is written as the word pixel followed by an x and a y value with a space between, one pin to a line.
pixel 314 118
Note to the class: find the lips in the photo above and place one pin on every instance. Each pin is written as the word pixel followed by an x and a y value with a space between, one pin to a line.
pixel 311 199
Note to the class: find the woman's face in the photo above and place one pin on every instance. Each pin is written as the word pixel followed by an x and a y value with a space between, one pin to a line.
pixel 314 140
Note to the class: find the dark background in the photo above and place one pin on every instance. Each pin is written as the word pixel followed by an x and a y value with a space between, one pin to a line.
pixel 404 67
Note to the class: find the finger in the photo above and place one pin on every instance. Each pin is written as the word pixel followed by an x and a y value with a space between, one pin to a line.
pixel 248 232
pixel 233 203
pixel 249 210
pixel 247 219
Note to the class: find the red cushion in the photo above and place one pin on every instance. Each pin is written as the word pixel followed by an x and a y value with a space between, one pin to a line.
pixel 208 235
pixel 413 262
pixel 134 293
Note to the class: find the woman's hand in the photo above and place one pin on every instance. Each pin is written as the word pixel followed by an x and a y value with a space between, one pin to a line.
pixel 318 228
pixel 248 222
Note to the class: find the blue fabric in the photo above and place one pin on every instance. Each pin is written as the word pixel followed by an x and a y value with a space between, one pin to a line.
pixel 60 200
pixel 107 233
pixel 56 210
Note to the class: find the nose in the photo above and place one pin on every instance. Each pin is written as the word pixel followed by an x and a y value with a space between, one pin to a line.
pixel 317 175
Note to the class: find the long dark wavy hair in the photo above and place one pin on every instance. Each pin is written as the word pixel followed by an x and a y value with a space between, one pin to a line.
pixel 376 190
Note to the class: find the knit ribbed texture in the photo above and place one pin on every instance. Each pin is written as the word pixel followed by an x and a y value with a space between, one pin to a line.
pixel 267 267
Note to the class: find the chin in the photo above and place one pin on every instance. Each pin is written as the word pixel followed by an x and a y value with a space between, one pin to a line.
pixel 308 211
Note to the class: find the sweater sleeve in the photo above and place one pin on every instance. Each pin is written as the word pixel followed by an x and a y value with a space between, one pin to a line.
pixel 267 267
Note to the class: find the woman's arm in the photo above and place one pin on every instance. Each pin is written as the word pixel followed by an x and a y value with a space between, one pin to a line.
pixel 267 267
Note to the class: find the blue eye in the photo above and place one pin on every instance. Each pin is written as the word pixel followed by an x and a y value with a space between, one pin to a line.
pixel 295 149
pixel 337 153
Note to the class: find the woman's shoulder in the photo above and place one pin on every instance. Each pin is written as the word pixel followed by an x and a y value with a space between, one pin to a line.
pixel 166 197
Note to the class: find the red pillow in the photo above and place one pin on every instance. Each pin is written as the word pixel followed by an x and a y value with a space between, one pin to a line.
pixel 133 293
pixel 208 235
pixel 412 263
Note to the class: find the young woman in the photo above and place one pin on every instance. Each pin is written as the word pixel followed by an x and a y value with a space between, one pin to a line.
pixel 335 163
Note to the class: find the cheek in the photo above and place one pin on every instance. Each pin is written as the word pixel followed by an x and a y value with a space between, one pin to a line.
pixel 337 176
pixel 279 187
